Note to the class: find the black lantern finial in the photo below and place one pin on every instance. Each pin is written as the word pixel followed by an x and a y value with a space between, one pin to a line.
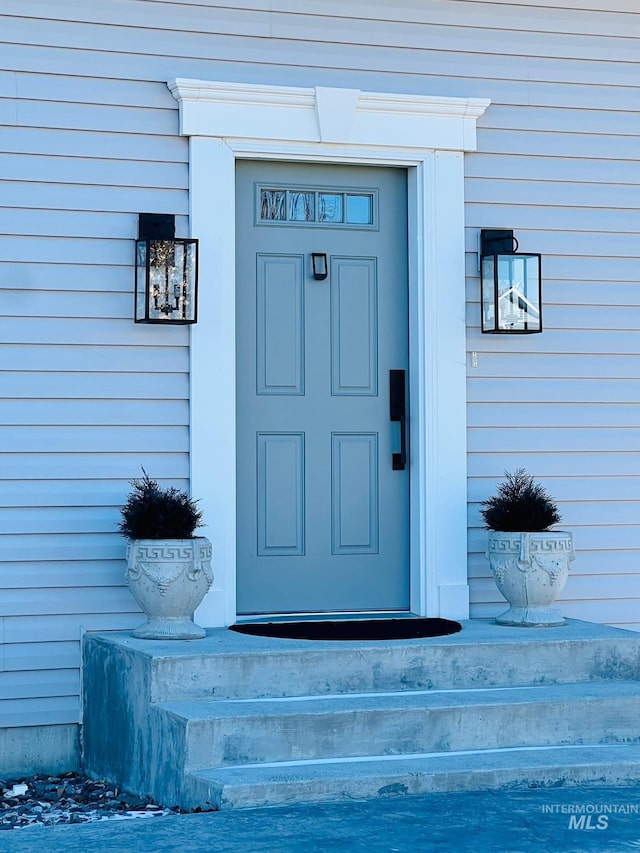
pixel 166 282
pixel 511 284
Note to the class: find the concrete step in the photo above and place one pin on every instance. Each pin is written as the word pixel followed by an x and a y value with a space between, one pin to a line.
pixel 228 665
pixel 406 722
pixel 237 720
pixel 377 776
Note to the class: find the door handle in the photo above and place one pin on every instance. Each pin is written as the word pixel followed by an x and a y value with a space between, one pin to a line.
pixel 398 412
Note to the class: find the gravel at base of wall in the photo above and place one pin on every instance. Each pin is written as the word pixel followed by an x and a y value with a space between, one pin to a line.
pixel 68 798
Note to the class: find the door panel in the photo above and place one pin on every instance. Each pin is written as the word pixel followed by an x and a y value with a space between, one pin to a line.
pixel 280 493
pixel 354 493
pixel 354 324
pixel 322 516
pixel 280 324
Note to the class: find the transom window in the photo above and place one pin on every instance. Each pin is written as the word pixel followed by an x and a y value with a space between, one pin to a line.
pixel 304 206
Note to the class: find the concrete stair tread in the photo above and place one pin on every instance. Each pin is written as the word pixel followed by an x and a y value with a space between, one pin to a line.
pixel 227 665
pixel 338 779
pixel 204 710
pixel 221 642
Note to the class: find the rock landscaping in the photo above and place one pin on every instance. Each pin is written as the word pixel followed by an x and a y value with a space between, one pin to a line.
pixel 67 798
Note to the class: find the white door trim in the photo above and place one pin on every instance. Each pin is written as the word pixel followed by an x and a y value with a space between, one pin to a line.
pixel 427 135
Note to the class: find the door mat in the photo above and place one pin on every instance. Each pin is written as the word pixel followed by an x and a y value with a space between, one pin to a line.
pixel 353 629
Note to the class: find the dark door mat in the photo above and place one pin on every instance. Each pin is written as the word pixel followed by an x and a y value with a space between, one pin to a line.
pixel 353 629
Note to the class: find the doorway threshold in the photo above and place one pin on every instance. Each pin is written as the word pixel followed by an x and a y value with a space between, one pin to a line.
pixel 246 618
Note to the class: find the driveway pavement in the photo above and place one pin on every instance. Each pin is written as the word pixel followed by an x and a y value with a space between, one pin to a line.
pixel 576 820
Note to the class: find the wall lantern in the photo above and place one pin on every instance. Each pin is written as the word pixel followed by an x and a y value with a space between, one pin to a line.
pixel 166 284
pixel 511 286
pixel 319 265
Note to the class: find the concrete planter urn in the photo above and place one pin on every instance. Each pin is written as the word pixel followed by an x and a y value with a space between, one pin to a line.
pixel 168 579
pixel 168 568
pixel 529 561
pixel 530 570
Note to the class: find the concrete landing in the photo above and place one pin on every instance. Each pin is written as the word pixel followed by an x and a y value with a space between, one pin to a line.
pixel 236 721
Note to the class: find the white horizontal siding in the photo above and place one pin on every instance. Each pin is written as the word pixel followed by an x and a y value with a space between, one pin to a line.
pixel 76 466
pixel 90 139
pixel 26 685
pixel 28 520
pixel 535 219
pixel 100 359
pixel 27 630
pixel 42 657
pixel 87 397
pixel 124 385
pixel 39 711
pixel 555 414
pixel 92 171
pixel 79 197
pixel 575 390
pixel 41 602
pixel 562 169
pixel 102 412
pixel 562 365
pixel 567 167
pixel 119 331
pixel 91 145
pixel 67 573
pixel 94 439
pixel 581 440
pixel 468 27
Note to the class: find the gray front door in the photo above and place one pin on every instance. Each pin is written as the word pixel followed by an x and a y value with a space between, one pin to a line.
pixel 323 517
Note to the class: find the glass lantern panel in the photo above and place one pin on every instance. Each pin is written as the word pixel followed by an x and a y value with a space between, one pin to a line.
pixel 518 293
pixel 177 283
pixel 158 294
pixel 488 294
pixel 141 270
pixel 188 271
pixel 166 286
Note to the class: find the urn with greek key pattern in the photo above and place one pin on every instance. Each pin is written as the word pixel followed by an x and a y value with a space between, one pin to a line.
pixel 530 570
pixel 169 578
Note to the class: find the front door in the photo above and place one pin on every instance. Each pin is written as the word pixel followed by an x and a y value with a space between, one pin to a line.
pixel 322 343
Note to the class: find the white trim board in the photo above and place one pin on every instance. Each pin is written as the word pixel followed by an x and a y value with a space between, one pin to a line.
pixel 427 135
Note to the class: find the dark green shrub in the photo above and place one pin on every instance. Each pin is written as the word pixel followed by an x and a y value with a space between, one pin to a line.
pixel 520 504
pixel 152 512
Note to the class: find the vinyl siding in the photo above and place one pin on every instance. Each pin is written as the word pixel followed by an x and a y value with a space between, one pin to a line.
pixel 87 397
pixel 564 404
pixel 89 139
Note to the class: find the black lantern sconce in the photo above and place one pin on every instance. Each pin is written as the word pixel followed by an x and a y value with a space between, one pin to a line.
pixel 511 284
pixel 166 284
pixel 319 265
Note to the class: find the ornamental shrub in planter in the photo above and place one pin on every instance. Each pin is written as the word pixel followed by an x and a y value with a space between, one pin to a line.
pixel 168 568
pixel 530 562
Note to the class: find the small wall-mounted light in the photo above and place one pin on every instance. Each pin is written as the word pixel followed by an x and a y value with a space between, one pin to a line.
pixel 511 284
pixel 319 265
pixel 166 283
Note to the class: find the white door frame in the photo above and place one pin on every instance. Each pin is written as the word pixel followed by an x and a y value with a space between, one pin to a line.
pixel 428 136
